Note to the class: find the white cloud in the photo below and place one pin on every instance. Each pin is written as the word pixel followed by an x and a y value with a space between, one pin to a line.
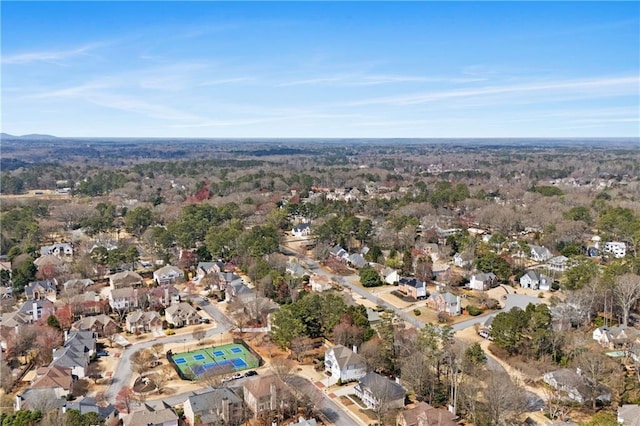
pixel 54 56
pixel 602 87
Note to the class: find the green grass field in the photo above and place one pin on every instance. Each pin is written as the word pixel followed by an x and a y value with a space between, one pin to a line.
pixel 217 359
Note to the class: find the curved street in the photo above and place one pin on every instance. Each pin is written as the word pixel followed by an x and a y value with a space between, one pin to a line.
pixel 123 372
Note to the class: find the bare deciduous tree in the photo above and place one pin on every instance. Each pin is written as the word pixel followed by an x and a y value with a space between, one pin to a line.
pixel 627 294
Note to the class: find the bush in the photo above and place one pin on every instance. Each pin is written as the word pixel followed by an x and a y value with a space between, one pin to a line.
pixel 473 310
pixel 169 332
pixel 541 295
pixel 417 312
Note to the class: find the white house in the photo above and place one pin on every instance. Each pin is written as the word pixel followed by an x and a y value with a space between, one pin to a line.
pixel 535 280
pixel 59 249
pixel 616 248
pixel 462 260
pixel 374 389
pixel 482 281
pixel 558 263
pixel 344 364
pixel 168 275
pixel 390 276
pixel 301 230
pixel 319 283
pixel 540 253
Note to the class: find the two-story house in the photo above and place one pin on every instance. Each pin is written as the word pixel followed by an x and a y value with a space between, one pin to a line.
pixel 413 287
pixel 344 364
pixel 264 394
pixel 215 407
pixel 375 390
pixel 445 302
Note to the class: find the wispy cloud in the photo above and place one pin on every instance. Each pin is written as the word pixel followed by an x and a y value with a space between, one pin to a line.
pixel 224 81
pixel 357 79
pixel 602 87
pixel 52 56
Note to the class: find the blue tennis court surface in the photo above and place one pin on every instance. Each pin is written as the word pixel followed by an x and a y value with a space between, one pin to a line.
pixel 179 360
pixel 218 353
pixel 198 357
pixel 238 363
pixel 236 350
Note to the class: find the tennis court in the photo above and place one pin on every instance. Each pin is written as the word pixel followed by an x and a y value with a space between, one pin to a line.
pixel 224 359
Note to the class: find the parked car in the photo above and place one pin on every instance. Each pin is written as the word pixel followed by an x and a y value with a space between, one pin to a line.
pixel 102 353
pixel 237 376
pixel 250 373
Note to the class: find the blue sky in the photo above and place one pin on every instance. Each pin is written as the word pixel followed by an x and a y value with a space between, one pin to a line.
pixel 362 69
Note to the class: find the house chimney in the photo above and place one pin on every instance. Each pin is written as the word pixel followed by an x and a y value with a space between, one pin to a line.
pixel 579 371
pixel 355 349
pixel 226 408
pixel 35 311
pixel 274 396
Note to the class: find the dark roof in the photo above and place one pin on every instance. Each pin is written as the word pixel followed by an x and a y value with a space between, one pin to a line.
pixel 378 384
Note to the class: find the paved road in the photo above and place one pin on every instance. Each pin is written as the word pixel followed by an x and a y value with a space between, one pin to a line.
pixel 123 371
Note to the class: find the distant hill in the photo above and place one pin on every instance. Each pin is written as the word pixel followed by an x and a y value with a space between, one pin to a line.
pixel 34 137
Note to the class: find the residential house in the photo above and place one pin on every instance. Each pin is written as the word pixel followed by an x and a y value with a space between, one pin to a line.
pixel 344 364
pixel 540 253
pixel 390 276
pixel 41 289
pixel 149 416
pixel 102 325
pixel 72 357
pixel 164 296
pixel 374 390
pixel 264 393
pixel 296 270
pixel 338 252
pixel 88 303
pixel 576 386
pixel 15 320
pixel 238 290
pixel 78 284
pixel 38 308
pixel 304 422
pixel 463 260
pixel 38 399
pixel 59 249
pixel 215 407
pixel 558 264
pixel 301 230
pixel 629 415
pixel 85 405
pixel 617 248
pixel 50 264
pixel 319 283
pixel 182 314
pixel 229 278
pixel 124 299
pixel 357 261
pixel 413 287
pixel 423 414
pixel 168 274
pixel 535 280
pixel 445 302
pixel 205 268
pixel 616 337
pixel 482 281
pixel 143 322
pixel 125 279
pixel 59 379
